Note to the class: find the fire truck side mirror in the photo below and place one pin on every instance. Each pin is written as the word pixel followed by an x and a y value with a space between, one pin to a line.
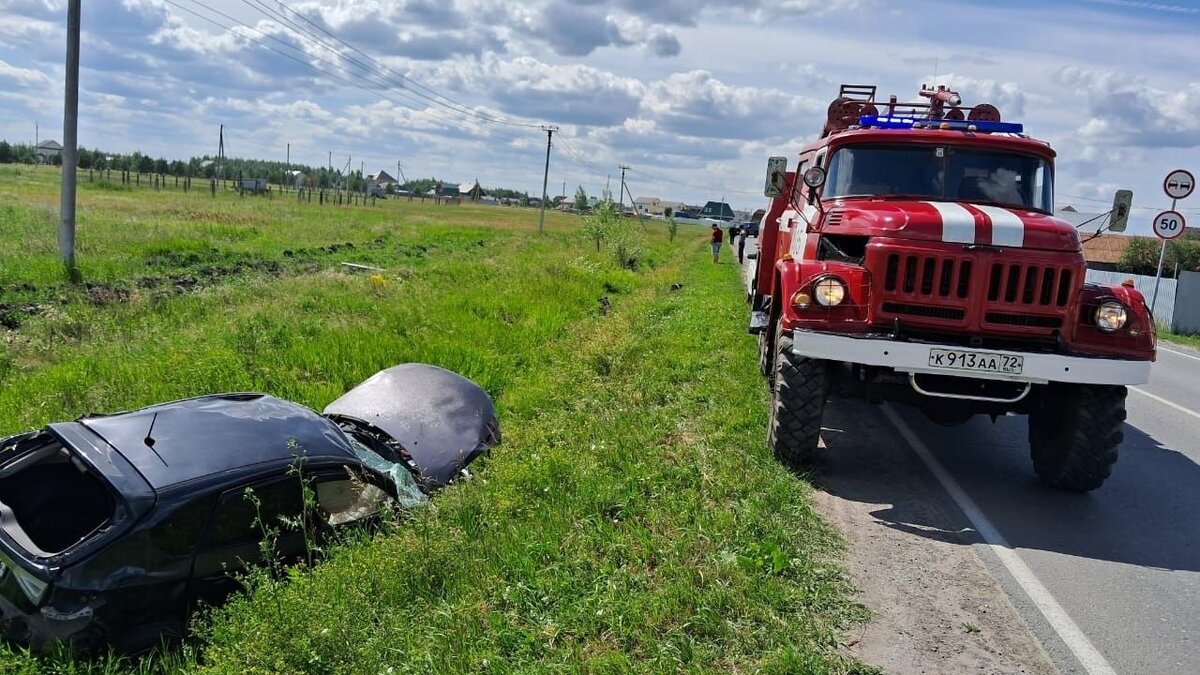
pixel 776 176
pixel 1122 204
pixel 814 177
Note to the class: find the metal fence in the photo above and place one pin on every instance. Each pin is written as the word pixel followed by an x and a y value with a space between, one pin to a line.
pixel 1164 309
pixel 1187 305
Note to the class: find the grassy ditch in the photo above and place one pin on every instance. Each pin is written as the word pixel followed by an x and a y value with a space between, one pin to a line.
pixel 1189 340
pixel 632 521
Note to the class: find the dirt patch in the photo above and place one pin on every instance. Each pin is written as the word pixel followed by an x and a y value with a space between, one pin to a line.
pixel 936 607
pixel 174 272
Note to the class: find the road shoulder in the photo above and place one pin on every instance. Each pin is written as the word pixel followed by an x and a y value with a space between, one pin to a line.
pixel 936 607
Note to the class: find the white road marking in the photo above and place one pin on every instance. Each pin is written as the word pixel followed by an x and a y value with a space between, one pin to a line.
pixel 1007 227
pixel 1186 411
pixel 958 224
pixel 1178 353
pixel 1089 657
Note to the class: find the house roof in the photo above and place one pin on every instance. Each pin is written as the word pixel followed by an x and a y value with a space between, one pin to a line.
pixel 49 145
pixel 382 177
pixel 1107 248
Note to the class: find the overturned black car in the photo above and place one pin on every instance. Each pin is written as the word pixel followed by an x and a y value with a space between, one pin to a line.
pixel 113 528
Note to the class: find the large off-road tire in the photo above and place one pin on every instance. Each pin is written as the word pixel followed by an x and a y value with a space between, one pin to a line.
pixel 1074 436
pixel 797 405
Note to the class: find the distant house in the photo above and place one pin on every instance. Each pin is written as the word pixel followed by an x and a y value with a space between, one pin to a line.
pixel 647 204
pixel 48 150
pixel 445 190
pixel 717 211
pixel 1103 252
pixel 254 186
pixel 297 178
pixel 377 184
pixel 653 206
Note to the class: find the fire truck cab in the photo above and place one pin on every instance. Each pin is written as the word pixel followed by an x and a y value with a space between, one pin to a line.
pixel 913 255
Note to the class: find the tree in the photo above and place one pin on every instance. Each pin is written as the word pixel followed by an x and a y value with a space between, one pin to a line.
pixel 145 164
pixel 668 212
pixel 581 199
pixel 1139 257
pixel 6 153
pixel 1184 253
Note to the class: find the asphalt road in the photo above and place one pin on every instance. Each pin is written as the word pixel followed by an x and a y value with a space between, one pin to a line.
pixel 1108 581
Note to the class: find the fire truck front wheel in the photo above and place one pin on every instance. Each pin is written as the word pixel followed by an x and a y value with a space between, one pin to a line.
pixel 797 405
pixel 1074 435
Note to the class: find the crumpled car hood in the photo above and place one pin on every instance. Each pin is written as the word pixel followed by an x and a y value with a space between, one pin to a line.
pixel 442 419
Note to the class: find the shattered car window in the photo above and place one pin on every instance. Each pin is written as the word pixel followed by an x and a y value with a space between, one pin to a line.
pixel 408 495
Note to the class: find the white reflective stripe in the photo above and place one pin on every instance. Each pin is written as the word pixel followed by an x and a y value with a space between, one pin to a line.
pixel 958 224
pixel 1007 227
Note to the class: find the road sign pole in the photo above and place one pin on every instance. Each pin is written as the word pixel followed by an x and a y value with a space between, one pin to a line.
pixel 1162 256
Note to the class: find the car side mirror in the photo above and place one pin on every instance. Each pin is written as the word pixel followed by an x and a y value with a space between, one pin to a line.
pixel 776 176
pixel 1122 204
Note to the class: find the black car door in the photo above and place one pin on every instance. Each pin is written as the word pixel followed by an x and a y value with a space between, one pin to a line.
pixel 251 525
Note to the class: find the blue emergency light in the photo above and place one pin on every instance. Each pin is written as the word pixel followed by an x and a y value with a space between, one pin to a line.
pixel 902 122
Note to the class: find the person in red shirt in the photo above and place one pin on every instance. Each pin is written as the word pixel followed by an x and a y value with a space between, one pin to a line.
pixel 717 237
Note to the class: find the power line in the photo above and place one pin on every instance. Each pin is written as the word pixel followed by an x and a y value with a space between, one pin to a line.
pixel 1106 202
pixel 377 90
pixel 374 67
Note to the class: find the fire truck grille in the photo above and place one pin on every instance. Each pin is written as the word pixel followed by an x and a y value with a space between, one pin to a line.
pixel 925 275
pixel 926 311
pixel 1026 320
pixel 1019 284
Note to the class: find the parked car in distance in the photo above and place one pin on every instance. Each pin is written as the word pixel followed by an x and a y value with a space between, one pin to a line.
pixel 750 228
pixel 113 528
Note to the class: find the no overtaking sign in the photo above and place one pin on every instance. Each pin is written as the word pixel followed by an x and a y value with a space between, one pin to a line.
pixel 1179 184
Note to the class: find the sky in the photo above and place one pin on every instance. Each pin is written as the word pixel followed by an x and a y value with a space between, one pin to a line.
pixel 691 95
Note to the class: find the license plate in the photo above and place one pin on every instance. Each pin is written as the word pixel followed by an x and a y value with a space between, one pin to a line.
pixel 978 362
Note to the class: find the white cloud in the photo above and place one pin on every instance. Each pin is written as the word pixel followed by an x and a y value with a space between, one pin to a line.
pixel 695 92
pixel 25 77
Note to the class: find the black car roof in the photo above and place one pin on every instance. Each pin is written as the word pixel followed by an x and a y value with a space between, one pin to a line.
pixel 199 437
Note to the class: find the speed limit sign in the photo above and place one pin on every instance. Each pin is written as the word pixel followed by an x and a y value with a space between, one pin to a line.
pixel 1169 224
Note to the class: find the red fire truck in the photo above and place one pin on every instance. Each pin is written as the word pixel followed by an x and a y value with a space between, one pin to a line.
pixel 913 256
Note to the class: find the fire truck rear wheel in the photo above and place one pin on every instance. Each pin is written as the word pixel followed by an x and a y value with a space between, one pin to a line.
pixel 797 405
pixel 1075 435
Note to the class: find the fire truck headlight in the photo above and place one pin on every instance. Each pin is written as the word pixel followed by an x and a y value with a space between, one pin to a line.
pixel 1111 316
pixel 829 292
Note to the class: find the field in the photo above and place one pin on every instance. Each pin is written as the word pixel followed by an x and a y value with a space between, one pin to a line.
pixel 632 521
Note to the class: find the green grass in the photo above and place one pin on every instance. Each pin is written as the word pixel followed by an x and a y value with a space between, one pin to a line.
pixel 1189 340
pixel 632 521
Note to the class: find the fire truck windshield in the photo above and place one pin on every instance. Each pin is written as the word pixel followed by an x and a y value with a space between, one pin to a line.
pixel 941 173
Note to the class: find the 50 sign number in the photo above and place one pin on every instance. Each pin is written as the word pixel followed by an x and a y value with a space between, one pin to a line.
pixel 1169 224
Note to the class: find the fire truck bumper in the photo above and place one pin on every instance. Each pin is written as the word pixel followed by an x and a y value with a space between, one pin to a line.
pixel 944 359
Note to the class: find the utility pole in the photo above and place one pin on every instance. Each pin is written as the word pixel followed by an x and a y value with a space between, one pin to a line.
pixel 66 226
pixel 287 171
pixel 546 176
pixel 362 166
pixel 623 170
pixel 625 189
